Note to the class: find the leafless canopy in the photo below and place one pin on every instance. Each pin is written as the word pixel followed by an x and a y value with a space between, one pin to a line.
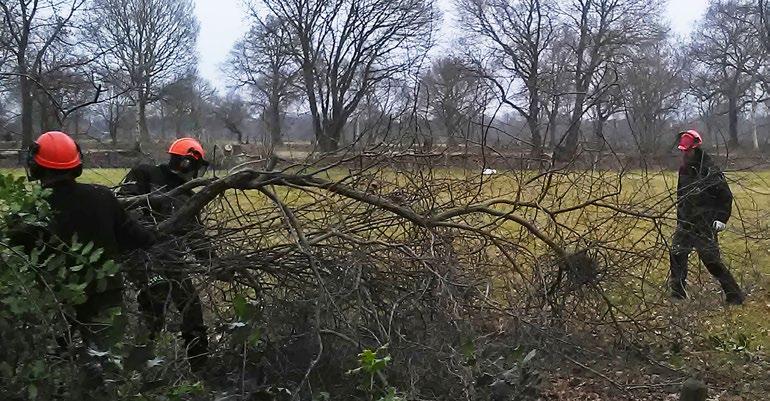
pixel 146 43
pixel 346 48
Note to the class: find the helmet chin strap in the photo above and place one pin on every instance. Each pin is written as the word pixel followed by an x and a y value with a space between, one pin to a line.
pixel 30 178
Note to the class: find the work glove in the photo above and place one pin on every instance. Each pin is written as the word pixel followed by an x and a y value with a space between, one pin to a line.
pixel 719 226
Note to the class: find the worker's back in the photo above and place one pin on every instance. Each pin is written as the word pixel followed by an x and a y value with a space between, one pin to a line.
pixel 94 214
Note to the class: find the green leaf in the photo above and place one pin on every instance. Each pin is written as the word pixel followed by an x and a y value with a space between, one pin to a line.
pixel 75 244
pixel 96 255
pixel 390 395
pixel 76 268
pixel 87 249
pixel 240 306
pixel 255 338
pixel 32 391
pixel 110 268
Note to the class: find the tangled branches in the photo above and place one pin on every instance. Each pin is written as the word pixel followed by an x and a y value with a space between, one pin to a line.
pixel 442 265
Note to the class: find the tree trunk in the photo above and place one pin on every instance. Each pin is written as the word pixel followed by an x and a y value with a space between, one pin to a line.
pixel 44 114
pixel 274 123
pixel 754 137
pixel 732 113
pixel 112 125
pixel 553 121
pixel 328 141
pixel 534 119
pixel 162 121
pixel 26 107
pixel 76 116
pixel 144 133
pixel 569 143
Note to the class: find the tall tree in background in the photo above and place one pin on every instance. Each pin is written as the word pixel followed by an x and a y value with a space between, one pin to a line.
pixel 187 102
pixel 727 50
pixel 653 89
pixel 30 29
pixel 450 92
pixel 234 113
pixel 344 48
pixel 147 44
pixel 515 34
pixel 599 30
pixel 262 62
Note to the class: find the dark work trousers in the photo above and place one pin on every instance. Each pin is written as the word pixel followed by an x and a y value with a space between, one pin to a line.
pixel 704 240
pixel 91 319
pixel 163 289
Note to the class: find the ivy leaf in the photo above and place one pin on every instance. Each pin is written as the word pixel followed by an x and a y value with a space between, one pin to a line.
pixel 96 255
pixel 87 249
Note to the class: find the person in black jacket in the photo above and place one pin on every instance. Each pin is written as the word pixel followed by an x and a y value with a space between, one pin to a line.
pixel 704 205
pixel 168 281
pixel 89 212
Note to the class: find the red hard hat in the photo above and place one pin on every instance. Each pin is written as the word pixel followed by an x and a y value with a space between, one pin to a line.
pixel 690 139
pixel 56 150
pixel 187 147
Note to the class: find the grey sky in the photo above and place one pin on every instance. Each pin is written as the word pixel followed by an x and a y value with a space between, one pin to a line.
pixel 223 22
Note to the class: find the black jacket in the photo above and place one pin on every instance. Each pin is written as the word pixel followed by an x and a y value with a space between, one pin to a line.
pixel 94 214
pixel 91 212
pixel 703 195
pixel 145 179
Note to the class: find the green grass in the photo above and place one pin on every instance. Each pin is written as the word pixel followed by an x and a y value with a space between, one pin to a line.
pixel 745 247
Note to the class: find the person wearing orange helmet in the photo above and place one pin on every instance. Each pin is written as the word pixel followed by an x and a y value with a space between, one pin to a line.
pixel 89 213
pixel 704 205
pixel 186 160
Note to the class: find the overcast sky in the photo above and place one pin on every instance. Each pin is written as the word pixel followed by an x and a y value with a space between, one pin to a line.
pixel 224 21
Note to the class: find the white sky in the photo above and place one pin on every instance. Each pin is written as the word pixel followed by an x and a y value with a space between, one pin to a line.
pixel 223 22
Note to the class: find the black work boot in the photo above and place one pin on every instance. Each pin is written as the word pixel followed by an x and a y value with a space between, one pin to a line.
pixel 733 293
pixel 677 289
pixel 197 351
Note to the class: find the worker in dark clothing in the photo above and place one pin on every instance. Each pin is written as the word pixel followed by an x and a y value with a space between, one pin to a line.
pixel 90 212
pixel 704 204
pixel 169 282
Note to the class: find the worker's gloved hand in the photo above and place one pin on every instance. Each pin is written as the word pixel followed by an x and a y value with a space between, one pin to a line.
pixel 719 226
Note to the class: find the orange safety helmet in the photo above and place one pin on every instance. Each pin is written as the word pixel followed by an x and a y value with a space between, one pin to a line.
pixel 187 147
pixel 55 150
pixel 690 139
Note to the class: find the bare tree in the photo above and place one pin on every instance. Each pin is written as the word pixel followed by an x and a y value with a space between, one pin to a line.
pixel 233 112
pixel 31 28
pixel 607 101
pixel 556 88
pixel 600 30
pixel 147 44
pixel 653 87
pixel 187 101
pixel 449 91
pixel 728 53
pixel 345 48
pixel 515 35
pixel 114 112
pixel 262 63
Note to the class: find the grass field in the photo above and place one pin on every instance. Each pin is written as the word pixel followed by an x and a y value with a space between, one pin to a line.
pixel 727 337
